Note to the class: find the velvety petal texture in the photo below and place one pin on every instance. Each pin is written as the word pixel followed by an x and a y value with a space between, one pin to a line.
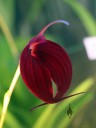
pixel 41 62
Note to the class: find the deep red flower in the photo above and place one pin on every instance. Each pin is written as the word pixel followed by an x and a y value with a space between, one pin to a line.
pixel 43 61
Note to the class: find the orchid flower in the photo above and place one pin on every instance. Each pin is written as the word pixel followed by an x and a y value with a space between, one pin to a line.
pixel 43 61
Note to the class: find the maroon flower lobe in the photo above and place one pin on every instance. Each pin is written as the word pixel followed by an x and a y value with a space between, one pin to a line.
pixel 43 61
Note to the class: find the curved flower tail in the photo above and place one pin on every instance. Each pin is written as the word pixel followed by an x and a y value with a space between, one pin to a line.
pixel 54 22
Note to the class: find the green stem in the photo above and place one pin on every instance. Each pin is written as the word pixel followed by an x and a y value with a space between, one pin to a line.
pixel 7 96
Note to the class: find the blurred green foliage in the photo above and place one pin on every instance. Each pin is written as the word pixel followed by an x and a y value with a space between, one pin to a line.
pixel 25 19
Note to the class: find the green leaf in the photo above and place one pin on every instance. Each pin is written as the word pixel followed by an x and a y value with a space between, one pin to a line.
pixel 55 110
pixel 7 10
pixel 85 16
pixel 77 105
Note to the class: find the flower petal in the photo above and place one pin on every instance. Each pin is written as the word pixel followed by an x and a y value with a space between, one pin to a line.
pixel 58 63
pixel 36 76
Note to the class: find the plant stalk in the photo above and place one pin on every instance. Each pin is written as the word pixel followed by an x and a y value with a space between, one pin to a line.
pixel 7 96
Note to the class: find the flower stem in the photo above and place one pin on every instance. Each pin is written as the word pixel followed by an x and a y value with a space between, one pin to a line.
pixel 7 96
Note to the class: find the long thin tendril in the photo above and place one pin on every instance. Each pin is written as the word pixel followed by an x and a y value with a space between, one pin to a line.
pixel 56 102
pixel 54 22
